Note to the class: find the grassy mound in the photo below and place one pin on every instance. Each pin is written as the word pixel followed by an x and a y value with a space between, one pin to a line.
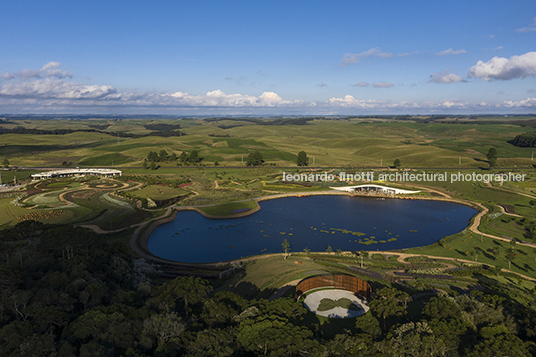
pixel 328 304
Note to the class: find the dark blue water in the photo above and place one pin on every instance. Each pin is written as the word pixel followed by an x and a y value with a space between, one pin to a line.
pixel 313 222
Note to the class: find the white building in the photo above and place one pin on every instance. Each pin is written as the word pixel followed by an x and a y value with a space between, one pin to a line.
pixel 76 172
pixel 373 189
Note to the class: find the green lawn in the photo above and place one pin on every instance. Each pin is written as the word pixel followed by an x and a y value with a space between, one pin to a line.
pixel 226 209
pixel 489 251
pixel 157 192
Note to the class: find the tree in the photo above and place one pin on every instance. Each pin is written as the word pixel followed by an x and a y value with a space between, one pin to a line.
pixel 286 247
pixel 275 336
pixel 397 163
pixel 510 255
pixel 255 158
pixel 492 157
pixel 152 156
pixel 186 290
pixel 5 163
pixel 194 157
pixel 390 302
pixel 163 156
pixel 303 160
pixel 145 166
pixel 153 166
pixel 183 157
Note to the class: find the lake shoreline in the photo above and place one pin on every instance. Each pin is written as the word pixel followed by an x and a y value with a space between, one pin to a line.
pixel 143 241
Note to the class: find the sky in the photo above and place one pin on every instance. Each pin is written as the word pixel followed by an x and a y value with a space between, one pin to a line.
pixel 268 57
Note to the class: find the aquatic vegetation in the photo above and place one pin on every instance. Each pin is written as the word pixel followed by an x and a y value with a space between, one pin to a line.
pixel 346 231
pixel 391 239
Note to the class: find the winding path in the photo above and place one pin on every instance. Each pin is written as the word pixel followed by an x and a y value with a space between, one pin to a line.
pixel 148 227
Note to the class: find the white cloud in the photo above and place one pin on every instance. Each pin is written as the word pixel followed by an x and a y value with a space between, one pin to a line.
pixel 54 88
pixel 49 70
pixel 382 84
pixel 50 65
pixel 351 58
pixel 525 103
pixel 219 98
pixel 505 68
pixel 49 94
pixel 529 28
pixel 450 52
pixel 445 77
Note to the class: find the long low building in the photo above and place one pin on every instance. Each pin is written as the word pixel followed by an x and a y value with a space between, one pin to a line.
pixel 373 189
pixel 76 172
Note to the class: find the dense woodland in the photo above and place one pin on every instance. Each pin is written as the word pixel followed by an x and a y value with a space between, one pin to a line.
pixel 66 291
pixel 525 140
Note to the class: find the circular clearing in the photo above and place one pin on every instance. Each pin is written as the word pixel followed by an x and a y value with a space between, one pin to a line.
pixel 330 302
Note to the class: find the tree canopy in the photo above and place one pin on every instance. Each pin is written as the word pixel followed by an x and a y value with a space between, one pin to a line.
pixel 303 160
pixel 254 159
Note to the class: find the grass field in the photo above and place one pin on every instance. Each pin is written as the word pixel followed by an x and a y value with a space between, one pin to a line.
pixel 226 209
pixel 156 192
pixel 488 250
pixel 327 142
pixel 355 144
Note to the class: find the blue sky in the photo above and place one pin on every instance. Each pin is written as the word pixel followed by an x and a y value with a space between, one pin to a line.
pixel 277 57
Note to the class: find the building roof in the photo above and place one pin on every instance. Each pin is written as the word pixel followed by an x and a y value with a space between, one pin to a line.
pixel 396 191
pixel 77 171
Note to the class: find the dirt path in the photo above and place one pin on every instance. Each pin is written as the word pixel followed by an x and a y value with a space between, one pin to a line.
pixel 403 256
pixel 476 224
pixel 503 211
pixel 424 188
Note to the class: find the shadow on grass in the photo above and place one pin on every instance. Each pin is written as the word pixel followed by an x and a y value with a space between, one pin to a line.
pixel 246 289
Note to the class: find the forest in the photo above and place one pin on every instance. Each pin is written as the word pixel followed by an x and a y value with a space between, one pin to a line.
pixel 66 291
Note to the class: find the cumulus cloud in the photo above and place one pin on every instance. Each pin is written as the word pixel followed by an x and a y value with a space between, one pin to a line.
pixel 349 101
pixel 445 77
pixel 382 84
pixel 49 86
pixel 450 51
pixel 505 68
pixel 351 58
pixel 529 28
pixel 53 88
pixel 219 98
pixel 46 93
pixel 525 103
pixel 49 70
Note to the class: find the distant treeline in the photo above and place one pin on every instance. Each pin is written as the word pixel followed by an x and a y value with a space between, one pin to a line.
pixel 162 127
pixel 99 126
pixel 525 140
pixel 281 121
pixel 88 117
pixel 21 130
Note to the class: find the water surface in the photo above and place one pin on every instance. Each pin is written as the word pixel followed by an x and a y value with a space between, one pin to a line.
pixel 314 222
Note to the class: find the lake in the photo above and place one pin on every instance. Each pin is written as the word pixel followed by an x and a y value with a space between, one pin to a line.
pixel 313 222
